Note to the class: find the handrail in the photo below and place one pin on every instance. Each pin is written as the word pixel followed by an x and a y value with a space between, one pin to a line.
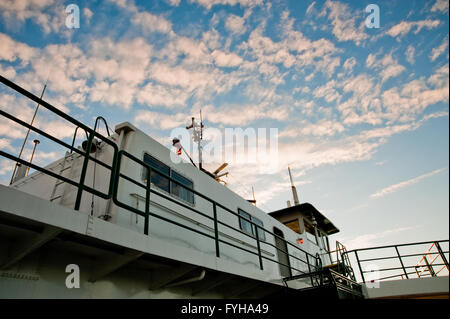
pixel 215 204
pixel 116 175
pixel 403 262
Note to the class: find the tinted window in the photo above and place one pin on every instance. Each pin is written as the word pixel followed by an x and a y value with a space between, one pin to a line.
pixel 156 178
pixel 243 224
pixel 249 227
pixel 261 234
pixel 182 192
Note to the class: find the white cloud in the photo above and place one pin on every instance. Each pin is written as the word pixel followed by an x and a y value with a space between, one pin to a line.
pixel 48 14
pixel 405 27
pixel 174 2
pixel 310 8
pixel 396 187
pixel 345 22
pixel 88 14
pixel 235 24
pixel 323 128
pixel 374 239
pixel 328 92
pixel 208 4
pixel 12 50
pixel 161 120
pixel 440 5
pixel 387 66
pixel 436 52
pixel 410 54
pixel 223 59
pixel 440 78
pixel 152 23
pixel 349 64
pixel 158 95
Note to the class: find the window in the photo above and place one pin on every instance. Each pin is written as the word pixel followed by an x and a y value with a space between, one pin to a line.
pixel 162 182
pixel 249 227
pixel 243 224
pixel 182 192
pixel 261 234
pixel 156 178
pixel 294 225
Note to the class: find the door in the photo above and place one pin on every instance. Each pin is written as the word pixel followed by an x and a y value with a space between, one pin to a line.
pixel 282 253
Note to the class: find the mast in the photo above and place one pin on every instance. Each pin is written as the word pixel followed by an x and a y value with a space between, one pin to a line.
pixel 13 177
pixel 294 190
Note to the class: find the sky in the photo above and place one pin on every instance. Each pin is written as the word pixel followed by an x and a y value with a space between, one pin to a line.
pixel 361 112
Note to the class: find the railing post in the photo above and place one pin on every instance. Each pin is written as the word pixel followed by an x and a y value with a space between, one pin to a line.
pixel 259 249
pixel 147 202
pixel 309 269
pixel 441 254
pixel 359 265
pixel 401 262
pixel 216 230
pixel 83 172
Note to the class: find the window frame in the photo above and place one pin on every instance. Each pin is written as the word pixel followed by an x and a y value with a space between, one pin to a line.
pixel 261 235
pixel 171 170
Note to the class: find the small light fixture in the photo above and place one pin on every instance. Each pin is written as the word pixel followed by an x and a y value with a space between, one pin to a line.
pixel 176 143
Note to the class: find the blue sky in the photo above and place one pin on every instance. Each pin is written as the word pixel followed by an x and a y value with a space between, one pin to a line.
pixel 362 113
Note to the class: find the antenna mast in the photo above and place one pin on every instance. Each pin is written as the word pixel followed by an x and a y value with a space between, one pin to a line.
pixel 13 177
pixel 198 137
pixel 294 190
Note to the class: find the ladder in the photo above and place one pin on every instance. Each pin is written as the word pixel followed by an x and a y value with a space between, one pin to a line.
pixel 59 196
pixel 343 262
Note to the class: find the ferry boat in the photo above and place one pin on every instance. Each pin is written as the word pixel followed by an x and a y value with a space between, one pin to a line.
pixel 115 217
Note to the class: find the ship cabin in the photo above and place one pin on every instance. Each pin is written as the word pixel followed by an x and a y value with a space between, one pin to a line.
pixel 185 213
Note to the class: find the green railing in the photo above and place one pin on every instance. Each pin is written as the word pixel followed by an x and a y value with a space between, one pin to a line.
pixel 402 261
pixel 311 261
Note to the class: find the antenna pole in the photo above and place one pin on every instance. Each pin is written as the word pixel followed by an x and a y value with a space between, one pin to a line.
pixel 36 142
pixel 294 190
pixel 26 136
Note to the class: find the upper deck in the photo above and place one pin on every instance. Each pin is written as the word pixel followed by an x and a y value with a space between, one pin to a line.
pixel 130 186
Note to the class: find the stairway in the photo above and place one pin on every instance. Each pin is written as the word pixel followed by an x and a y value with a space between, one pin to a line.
pixel 325 283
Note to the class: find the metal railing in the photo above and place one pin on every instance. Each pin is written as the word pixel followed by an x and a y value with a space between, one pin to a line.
pixel 311 261
pixel 401 261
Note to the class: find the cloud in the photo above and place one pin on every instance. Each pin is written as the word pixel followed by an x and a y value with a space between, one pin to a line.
pixel 440 5
pixel 159 95
pixel 88 14
pixel 436 52
pixel 310 8
pixel 50 15
pixel 328 92
pixel 349 64
pixel 345 22
pixel 152 23
pixel 161 120
pixel 405 27
pixel 410 54
pixel 235 24
pixel 374 239
pixel 12 50
pixel 393 188
pixel 174 2
pixel 208 4
pixel 323 128
pixel 223 59
pixel 387 66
